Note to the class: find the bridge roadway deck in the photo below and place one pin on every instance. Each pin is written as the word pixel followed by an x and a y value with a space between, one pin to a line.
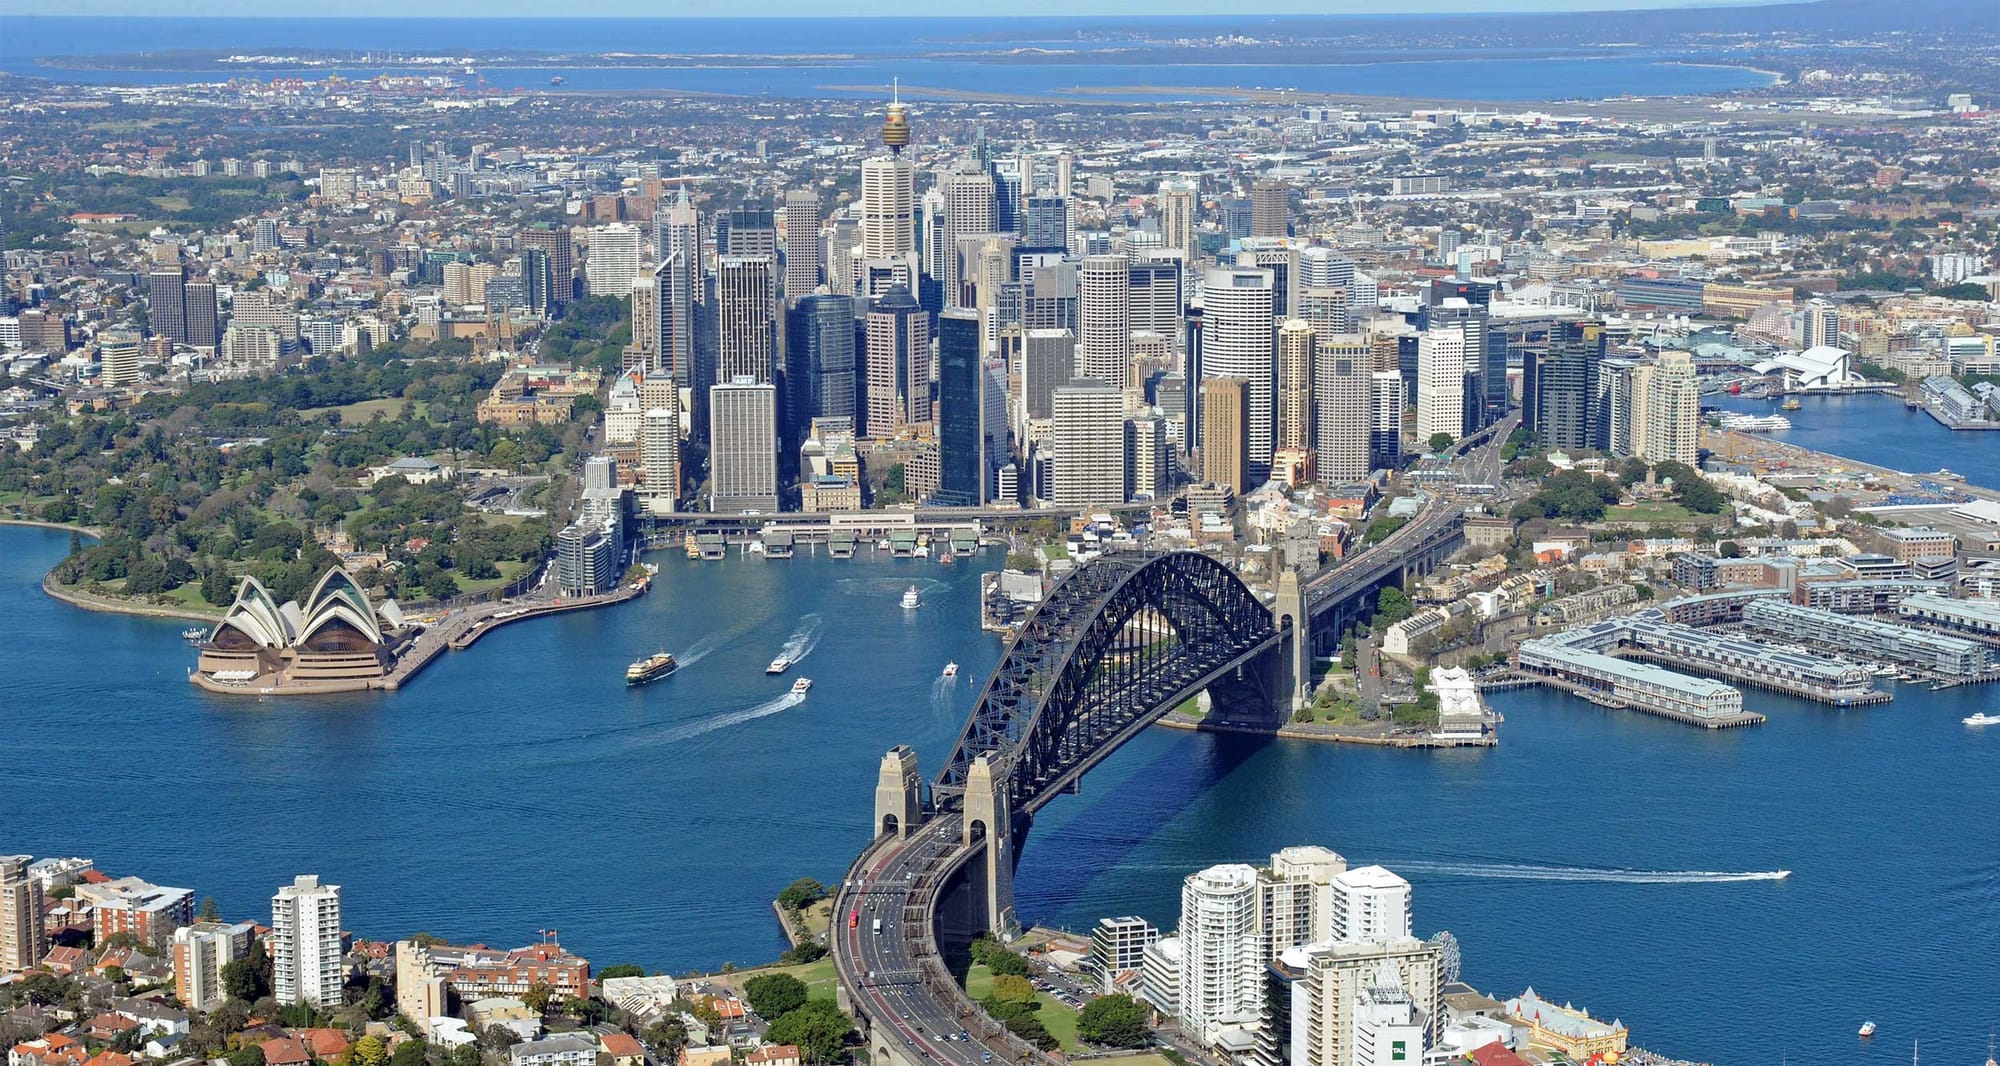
pixel 895 977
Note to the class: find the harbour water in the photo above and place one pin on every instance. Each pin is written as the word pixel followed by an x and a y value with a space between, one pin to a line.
pixel 811 57
pixel 1611 859
pixel 1879 429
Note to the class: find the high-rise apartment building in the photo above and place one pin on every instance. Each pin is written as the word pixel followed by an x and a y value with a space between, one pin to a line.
pixel 898 365
pixel 1222 963
pixel 118 357
pixel 1561 387
pixel 201 951
pixel 1673 411
pixel 166 302
pixel 613 262
pixel 204 314
pixel 1359 1004
pixel 1088 433
pixel 1441 383
pixel 743 450
pixel 746 301
pixel 1819 325
pixel 1370 904
pixel 1148 462
pixel 660 460
pixel 1225 417
pixel 1179 202
pixel 1239 341
pixel 307 964
pixel 1342 413
pixel 801 243
pixel 23 941
pixel 1104 320
pixel 962 459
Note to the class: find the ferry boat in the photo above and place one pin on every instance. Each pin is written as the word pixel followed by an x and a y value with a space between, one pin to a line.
pixel 951 669
pixel 802 686
pixel 1867 1028
pixel 1791 404
pixel 557 80
pixel 1756 423
pixel 1983 719
pixel 691 546
pixel 651 668
pixel 912 601
pixel 194 634
pixel 779 665
pixel 947 558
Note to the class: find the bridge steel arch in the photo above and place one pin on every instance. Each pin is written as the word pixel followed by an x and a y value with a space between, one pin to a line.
pixel 1115 645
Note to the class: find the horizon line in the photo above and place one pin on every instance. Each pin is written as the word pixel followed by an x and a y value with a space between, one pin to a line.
pixel 1583 7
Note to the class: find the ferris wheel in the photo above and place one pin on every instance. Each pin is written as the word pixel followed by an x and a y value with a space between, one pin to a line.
pixel 1448 955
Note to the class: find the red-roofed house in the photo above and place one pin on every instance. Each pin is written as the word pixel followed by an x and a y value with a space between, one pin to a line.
pixel 107 1026
pixel 110 1058
pixel 623 1049
pixel 52 1050
pixel 1495 1055
pixel 774 1055
pixel 285 1051
pixel 324 1044
pixel 728 1008
pixel 65 961
pixel 94 877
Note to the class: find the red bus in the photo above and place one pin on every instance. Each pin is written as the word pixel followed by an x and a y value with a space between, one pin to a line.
pixel 854 919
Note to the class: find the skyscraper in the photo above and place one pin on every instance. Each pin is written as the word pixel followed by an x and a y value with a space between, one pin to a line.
pixel 1154 299
pixel 1385 434
pixel 660 459
pixel 968 211
pixel 674 296
pixel 1270 209
pixel 1089 437
pixel 22 939
pixel 204 314
pixel 1370 904
pixel 743 452
pixel 643 354
pixel 1225 414
pixel 1294 431
pixel 801 243
pixel 1441 384
pixel 1179 201
pixel 166 302
pixel 962 458
pixel 898 365
pixel 1104 320
pixel 559 263
pixel 1561 387
pixel 1343 420
pixel 749 230
pixel 746 303
pixel 888 209
pixel 819 352
pixel 307 965
pixel 1238 341
pixel 1047 222
pixel 1048 359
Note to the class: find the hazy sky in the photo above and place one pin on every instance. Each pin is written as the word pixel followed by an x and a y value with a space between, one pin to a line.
pixel 787 8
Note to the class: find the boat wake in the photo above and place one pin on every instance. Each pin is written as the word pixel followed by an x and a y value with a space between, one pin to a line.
pixel 703 648
pixel 1532 872
pixel 804 638
pixel 723 721
pixel 942 690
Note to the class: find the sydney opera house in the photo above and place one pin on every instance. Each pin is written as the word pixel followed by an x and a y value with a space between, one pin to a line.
pixel 336 641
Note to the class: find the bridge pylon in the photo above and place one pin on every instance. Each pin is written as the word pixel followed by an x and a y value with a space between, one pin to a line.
pixel 1294 623
pixel 988 822
pixel 899 794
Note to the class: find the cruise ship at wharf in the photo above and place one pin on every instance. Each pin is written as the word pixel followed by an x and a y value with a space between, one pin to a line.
pixel 337 640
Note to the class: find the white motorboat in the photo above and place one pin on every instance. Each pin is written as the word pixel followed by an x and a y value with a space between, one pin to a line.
pixel 802 686
pixel 779 665
pixel 1982 719
pixel 911 600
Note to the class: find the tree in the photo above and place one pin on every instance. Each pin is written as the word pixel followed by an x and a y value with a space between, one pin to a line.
pixel 1008 988
pixel 241 980
pixel 623 969
pixel 538 996
pixel 774 995
pixel 1392 605
pixel 247 1055
pixel 209 911
pixel 1117 1020
pixel 1439 442
pixel 368 1051
pixel 409 1053
pixel 666 1037
pixel 801 893
pixel 818 1029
